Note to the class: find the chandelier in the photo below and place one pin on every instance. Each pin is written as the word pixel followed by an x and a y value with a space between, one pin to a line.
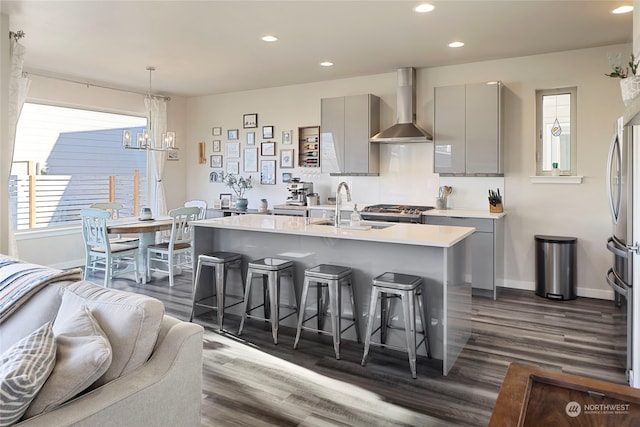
pixel 146 140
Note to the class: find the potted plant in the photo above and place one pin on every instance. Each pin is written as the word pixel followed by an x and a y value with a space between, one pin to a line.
pixel 629 81
pixel 239 185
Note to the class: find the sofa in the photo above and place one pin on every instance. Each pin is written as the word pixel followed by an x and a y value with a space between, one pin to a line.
pixel 137 365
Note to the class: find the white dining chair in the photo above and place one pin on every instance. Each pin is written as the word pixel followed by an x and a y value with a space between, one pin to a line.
pixel 114 209
pixel 201 204
pixel 101 253
pixel 165 257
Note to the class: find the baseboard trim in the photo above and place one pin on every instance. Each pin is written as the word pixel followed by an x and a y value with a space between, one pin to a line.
pixel 582 292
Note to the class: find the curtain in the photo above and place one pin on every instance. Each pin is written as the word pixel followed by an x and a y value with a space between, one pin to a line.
pixel 157 123
pixel 18 88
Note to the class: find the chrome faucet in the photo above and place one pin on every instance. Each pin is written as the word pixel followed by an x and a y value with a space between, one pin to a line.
pixel 338 199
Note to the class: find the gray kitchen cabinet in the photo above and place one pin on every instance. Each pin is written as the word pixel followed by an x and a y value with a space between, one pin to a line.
pixel 467 129
pixel 486 260
pixel 347 123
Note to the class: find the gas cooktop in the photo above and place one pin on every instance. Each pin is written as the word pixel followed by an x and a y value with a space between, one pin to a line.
pixel 396 209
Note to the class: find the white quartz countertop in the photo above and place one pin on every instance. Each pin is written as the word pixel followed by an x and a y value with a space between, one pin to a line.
pixel 464 213
pixel 343 207
pixel 410 234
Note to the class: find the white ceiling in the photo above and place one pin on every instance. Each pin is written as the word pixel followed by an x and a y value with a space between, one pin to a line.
pixel 207 47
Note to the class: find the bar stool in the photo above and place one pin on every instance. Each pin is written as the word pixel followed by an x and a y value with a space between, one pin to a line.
pixel 328 279
pixel 221 262
pixel 272 270
pixel 408 288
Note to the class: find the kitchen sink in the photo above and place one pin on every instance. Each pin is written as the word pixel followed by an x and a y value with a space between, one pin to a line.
pixel 364 225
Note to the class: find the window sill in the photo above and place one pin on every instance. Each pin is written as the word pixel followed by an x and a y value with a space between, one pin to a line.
pixel 548 179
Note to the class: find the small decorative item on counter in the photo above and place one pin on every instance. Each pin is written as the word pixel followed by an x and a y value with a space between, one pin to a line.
pixel 264 205
pixel 239 185
pixel 355 217
pixel 443 194
pixel 495 201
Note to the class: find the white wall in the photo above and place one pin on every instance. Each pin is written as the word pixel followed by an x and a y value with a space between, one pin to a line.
pixel 407 171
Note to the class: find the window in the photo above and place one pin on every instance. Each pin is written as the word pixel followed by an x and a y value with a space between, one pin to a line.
pixel 67 158
pixel 556 147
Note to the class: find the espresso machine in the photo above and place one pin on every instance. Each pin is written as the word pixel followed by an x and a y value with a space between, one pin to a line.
pixel 298 191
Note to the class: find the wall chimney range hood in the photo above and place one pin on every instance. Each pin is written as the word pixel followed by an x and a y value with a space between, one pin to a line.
pixel 405 130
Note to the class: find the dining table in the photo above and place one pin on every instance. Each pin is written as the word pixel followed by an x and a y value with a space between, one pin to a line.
pixel 146 229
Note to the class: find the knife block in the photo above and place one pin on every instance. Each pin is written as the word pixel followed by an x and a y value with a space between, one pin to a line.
pixel 495 209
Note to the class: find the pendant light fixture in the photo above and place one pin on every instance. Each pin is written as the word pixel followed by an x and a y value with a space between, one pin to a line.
pixel 146 140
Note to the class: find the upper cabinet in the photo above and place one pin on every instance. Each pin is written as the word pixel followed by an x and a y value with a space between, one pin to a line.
pixel 468 129
pixel 347 123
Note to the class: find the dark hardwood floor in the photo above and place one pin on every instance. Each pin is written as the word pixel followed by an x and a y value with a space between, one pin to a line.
pixel 240 389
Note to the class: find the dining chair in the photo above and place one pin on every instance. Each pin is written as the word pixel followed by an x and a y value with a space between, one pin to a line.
pixel 114 209
pixel 199 204
pixel 101 253
pixel 168 254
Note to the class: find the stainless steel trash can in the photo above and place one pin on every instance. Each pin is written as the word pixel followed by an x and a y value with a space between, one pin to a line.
pixel 556 267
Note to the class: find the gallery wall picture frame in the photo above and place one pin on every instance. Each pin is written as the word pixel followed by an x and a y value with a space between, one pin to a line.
pixel 233 150
pixel 225 199
pixel 250 121
pixel 202 149
pixel 268 148
pixel 286 159
pixel 216 131
pixel 251 138
pixel 216 146
pixel 267 132
pixel 215 160
pixel 173 155
pixel 251 160
pixel 286 137
pixel 286 176
pixel 232 134
pixel 268 172
pixel 233 167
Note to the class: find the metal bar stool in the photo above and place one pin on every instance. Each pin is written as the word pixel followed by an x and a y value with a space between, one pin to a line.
pixel 328 279
pixel 271 270
pixel 408 288
pixel 220 262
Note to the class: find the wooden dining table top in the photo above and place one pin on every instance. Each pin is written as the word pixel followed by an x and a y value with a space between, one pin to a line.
pixel 135 225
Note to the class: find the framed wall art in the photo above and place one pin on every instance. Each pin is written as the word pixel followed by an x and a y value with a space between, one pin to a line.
pixel 251 160
pixel 251 138
pixel 215 161
pixel 268 172
pixel 267 132
pixel 233 150
pixel 225 200
pixel 216 146
pixel 233 167
pixel 286 137
pixel 286 176
pixel 232 134
pixel 172 155
pixel 250 121
pixel 286 159
pixel 217 131
pixel 268 149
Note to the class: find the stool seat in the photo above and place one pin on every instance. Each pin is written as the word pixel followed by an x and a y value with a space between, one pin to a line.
pixel 327 271
pixel 219 257
pixel 397 281
pixel 271 264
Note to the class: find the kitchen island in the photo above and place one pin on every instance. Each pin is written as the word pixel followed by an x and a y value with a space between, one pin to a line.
pixel 435 253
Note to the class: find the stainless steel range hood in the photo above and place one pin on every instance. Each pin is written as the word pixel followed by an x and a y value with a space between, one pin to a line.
pixel 406 129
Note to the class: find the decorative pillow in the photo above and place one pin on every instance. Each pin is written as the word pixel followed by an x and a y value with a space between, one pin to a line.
pixel 130 321
pixel 83 354
pixel 24 368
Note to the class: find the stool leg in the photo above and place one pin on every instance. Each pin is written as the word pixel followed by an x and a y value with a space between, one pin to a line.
pixel 265 289
pixel 303 310
pixel 245 304
pixel 322 304
pixel 372 314
pixel 425 325
pixel 335 307
pixel 354 310
pixel 385 307
pixel 221 279
pixel 274 302
pixel 195 291
pixel 409 311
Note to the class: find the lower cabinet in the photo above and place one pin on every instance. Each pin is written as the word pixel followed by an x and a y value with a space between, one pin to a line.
pixel 486 263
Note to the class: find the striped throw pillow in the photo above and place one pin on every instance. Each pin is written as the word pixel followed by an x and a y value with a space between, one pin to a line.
pixel 24 368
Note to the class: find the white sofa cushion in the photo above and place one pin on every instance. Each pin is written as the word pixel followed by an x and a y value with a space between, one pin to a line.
pixel 83 355
pixel 130 321
pixel 24 368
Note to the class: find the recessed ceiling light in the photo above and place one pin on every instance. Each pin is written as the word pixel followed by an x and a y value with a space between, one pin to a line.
pixel 622 9
pixel 326 63
pixel 456 44
pixel 269 38
pixel 424 8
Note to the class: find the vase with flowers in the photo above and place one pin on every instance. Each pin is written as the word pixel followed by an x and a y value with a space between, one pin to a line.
pixel 629 81
pixel 239 185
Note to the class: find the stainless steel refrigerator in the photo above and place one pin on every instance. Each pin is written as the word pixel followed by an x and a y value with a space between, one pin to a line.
pixel 623 176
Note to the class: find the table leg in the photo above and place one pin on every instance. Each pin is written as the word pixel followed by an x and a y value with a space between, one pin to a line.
pixel 145 239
